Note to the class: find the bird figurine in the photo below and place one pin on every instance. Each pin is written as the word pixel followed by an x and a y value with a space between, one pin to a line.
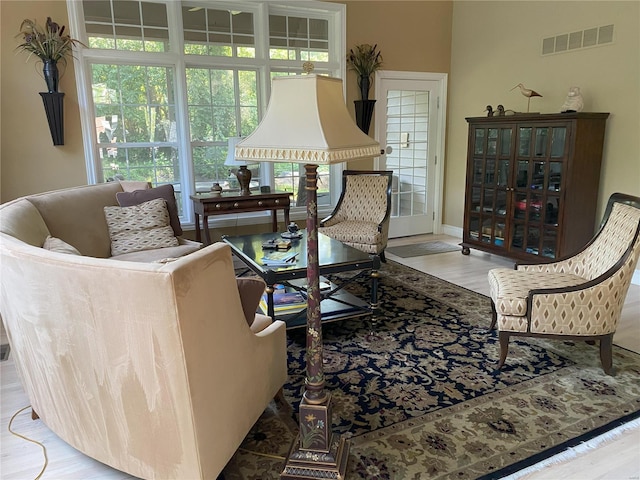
pixel 501 110
pixel 527 92
pixel 489 111
pixel 574 101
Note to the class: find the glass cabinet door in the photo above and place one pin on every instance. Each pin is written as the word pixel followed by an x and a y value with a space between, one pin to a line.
pixel 490 176
pixel 537 187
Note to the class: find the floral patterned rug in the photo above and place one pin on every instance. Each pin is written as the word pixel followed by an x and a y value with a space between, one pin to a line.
pixel 416 391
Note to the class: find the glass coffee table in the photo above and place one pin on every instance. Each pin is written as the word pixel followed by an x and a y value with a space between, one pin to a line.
pixel 334 256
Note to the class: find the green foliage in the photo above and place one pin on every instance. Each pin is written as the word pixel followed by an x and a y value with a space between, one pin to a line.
pixel 365 60
pixel 48 43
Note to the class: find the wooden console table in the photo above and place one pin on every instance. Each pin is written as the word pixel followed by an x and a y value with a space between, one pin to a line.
pixel 228 203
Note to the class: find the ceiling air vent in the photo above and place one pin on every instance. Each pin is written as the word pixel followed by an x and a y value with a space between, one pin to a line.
pixel 565 42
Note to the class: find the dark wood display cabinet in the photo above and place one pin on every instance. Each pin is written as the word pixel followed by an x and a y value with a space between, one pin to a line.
pixel 532 183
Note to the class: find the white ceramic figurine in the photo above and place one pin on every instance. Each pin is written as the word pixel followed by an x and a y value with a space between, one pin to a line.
pixel 574 102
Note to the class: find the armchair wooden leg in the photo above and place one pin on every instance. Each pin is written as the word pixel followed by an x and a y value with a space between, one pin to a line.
pixel 34 415
pixel 383 259
pixel 503 337
pixel 606 354
pixel 494 316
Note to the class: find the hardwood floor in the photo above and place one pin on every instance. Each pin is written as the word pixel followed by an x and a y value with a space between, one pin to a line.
pixel 615 459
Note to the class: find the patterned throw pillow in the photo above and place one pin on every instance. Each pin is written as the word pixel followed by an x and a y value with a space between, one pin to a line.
pixel 140 227
pixel 128 199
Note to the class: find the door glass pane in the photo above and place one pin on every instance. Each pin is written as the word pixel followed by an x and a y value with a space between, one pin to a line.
pixel 522 178
pixel 505 142
pixel 551 210
pixel 555 176
pixel 537 179
pixel 533 240
pixel 478 148
pixel 487 201
pixel 490 172
pixel 475 199
pixel 492 141
pixel 535 208
pixel 542 136
pixel 520 209
pixel 517 240
pixel 501 203
pixel 503 172
pixel 477 170
pixel 524 147
pixel 474 227
pixel 549 243
pixel 558 138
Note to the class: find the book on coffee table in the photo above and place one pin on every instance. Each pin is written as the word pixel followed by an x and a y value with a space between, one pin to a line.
pixel 279 259
pixel 284 302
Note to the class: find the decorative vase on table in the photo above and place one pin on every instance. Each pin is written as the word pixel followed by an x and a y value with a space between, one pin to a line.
pixel 51 75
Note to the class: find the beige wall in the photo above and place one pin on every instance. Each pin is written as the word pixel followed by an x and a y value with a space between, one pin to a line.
pixel 28 160
pixel 497 45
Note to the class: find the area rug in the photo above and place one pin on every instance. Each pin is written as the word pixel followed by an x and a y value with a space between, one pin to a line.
pixel 419 249
pixel 420 398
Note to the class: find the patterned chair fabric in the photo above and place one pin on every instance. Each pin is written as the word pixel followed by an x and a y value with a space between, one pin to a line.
pixel 361 217
pixel 579 296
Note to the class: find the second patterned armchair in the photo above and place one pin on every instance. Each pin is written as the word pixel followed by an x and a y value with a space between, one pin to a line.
pixel 578 297
pixel 361 217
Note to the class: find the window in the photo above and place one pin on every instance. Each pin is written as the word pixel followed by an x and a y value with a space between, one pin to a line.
pixel 167 83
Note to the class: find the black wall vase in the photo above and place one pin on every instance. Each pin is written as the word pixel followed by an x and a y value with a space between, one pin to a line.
pixel 51 75
pixel 364 114
pixel 364 82
pixel 53 107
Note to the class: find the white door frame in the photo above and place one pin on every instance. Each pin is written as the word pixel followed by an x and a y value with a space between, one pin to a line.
pixel 442 79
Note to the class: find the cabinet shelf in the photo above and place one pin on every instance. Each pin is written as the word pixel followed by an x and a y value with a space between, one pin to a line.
pixel 519 173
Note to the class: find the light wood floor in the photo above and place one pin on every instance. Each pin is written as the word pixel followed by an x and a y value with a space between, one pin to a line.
pixel 617 459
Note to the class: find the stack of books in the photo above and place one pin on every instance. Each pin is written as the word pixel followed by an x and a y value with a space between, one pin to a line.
pixel 276 244
pixel 284 302
pixel 279 259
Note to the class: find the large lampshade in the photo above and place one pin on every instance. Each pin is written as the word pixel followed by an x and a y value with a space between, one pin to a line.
pixel 307 122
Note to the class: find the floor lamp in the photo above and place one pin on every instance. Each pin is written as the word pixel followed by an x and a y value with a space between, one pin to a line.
pixel 307 122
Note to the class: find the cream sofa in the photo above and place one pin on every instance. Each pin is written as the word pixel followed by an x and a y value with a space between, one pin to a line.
pixel 150 368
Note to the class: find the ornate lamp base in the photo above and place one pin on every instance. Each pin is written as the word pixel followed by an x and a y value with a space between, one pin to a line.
pixel 316 452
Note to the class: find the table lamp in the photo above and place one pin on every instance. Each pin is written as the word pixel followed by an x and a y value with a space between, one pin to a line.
pixel 243 174
pixel 307 122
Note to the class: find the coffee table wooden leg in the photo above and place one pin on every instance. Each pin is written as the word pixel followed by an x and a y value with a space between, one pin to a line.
pixel 270 309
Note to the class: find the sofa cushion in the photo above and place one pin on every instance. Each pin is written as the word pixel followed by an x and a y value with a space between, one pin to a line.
pixel 139 227
pixel 250 290
pixel 161 255
pixel 22 220
pixel 128 199
pixel 76 216
pixel 56 245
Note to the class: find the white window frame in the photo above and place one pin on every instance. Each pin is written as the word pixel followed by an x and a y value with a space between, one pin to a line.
pixel 177 61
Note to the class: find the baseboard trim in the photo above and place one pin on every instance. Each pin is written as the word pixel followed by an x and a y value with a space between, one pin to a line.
pixel 457 232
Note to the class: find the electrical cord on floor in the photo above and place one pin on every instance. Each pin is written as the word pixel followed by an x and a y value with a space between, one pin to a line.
pixel 276 457
pixel 44 449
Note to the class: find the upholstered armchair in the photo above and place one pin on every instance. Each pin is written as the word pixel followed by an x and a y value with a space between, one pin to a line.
pixel 361 217
pixel 579 297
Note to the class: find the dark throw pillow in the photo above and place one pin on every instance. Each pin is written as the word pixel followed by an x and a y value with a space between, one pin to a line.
pixel 251 290
pixel 129 199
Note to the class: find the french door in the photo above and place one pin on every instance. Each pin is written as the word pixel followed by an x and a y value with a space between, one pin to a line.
pixel 410 119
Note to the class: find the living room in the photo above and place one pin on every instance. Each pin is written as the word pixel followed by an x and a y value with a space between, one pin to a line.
pixel 485 48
